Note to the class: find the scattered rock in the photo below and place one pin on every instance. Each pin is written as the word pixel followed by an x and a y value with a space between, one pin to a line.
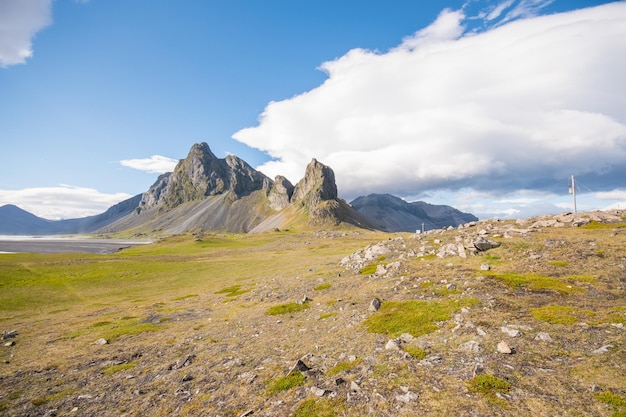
pixel 9 335
pixel 101 341
pixel 374 305
pixel 407 397
pixel 471 346
pixel 299 366
pixel 510 332
pixel 186 361
pixel 543 337
pixel 354 387
pixel 233 362
pixel 483 244
pixel 603 349
pixel 503 347
pixel 248 377
pixel 485 267
pixel 247 413
pixel 9 344
pixel 304 300
pixel 318 392
pixel 393 344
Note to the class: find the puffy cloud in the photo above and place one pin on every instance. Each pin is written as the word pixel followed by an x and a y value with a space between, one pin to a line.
pixel 62 202
pixel 20 20
pixel 518 106
pixel 156 164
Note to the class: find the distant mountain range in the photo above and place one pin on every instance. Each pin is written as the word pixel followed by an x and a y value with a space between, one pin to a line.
pixel 206 193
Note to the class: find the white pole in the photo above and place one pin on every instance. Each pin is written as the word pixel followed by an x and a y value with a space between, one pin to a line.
pixel 574 192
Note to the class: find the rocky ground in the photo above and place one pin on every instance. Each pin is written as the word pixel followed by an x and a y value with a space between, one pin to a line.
pixel 535 326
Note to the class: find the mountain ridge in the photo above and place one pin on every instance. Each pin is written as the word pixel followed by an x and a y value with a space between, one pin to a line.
pixel 207 193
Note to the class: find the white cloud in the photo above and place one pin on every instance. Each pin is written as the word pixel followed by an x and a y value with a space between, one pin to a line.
pixel 519 106
pixel 619 194
pixel 20 20
pixel 62 202
pixel 523 9
pixel 156 164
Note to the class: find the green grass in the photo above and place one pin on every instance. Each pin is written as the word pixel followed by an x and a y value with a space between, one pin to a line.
pixel 567 315
pixel 112 369
pixel 615 401
pixel 343 367
pixel 555 314
pixel 414 317
pixel 177 266
pixel 325 407
pixel 489 385
pixel 558 263
pixel 582 278
pixel 184 297
pixel 594 225
pixel 323 287
pixel 287 308
pixel 368 270
pixel 284 383
pixel 416 352
pixel 535 282
pixel 232 291
pixel 42 400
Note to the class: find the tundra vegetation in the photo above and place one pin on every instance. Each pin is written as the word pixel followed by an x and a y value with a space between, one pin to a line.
pixel 273 324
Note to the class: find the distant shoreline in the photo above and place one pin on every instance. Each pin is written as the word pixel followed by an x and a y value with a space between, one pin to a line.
pixel 64 244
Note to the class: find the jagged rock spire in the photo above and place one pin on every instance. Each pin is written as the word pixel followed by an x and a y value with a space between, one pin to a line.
pixel 317 185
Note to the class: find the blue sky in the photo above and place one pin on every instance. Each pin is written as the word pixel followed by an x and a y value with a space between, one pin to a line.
pixel 488 106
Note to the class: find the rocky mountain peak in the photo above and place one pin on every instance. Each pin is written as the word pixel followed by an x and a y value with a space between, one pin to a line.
pixel 317 185
pixel 202 174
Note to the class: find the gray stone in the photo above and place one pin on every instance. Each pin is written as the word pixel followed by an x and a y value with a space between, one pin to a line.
pixel 9 335
pixel 393 345
pixel 101 341
pixel 299 366
pixel 407 397
pixel 318 392
pixel 543 337
pixel 603 349
pixel 374 305
pixel 483 244
pixel 471 346
pixel 510 332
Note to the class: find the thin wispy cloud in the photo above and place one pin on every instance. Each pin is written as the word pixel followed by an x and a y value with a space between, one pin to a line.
pixel 61 202
pixel 156 164
pixel 519 106
pixel 20 20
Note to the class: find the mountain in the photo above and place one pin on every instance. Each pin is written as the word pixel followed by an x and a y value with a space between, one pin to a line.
pixel 16 221
pixel 393 214
pixel 205 193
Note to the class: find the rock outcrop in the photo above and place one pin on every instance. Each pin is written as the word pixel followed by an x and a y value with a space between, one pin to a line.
pixel 281 193
pixel 317 185
pixel 202 175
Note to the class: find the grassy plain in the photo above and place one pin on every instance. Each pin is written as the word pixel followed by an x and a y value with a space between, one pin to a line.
pixel 211 326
